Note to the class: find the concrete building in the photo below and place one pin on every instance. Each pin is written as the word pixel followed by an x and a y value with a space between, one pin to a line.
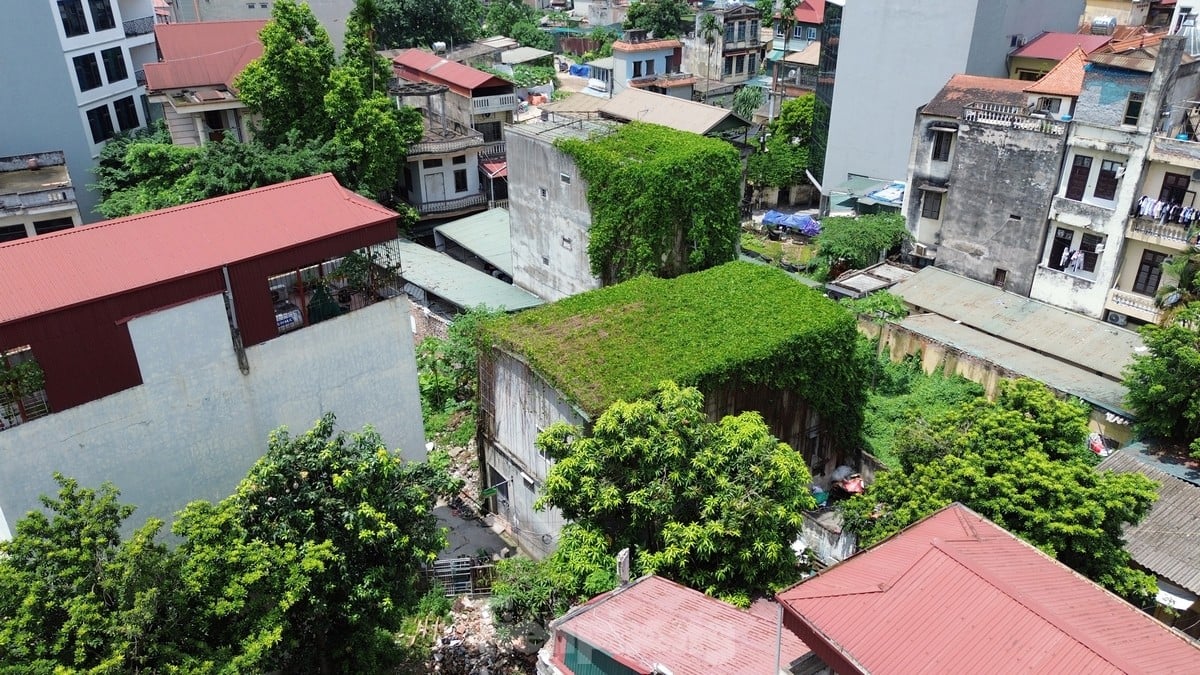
pixel 331 14
pixel 36 196
pixel 645 63
pixel 884 72
pixel 171 343
pixel 734 54
pixel 72 70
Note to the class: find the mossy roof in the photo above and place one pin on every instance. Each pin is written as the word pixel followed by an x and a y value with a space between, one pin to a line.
pixel 619 342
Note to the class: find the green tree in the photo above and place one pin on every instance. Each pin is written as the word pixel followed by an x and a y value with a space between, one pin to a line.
pixel 527 34
pixel 710 32
pixel 155 176
pixel 1022 463
pixel 1160 383
pixel 860 240
pixel 663 18
pixel 502 15
pixel 785 153
pixel 714 506
pixel 419 23
pixel 231 166
pixel 286 86
pixel 1181 273
pixel 787 19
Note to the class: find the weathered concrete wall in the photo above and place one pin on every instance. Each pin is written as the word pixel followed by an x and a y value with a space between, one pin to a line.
pixel 924 169
pixel 550 218
pixel 993 216
pixel 196 424
pixel 1105 95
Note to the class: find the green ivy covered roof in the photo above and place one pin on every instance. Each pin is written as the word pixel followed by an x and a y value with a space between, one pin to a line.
pixel 736 320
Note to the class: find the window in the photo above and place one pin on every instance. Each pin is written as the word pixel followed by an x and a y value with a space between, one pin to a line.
pixel 566 180
pixel 931 205
pixel 754 29
pixel 728 70
pixel 460 159
pixel 1133 107
pixel 637 68
pixel 87 72
pixel 999 277
pixel 797 32
pixel 812 34
pixel 52 225
pixel 649 67
pixel 941 145
pixel 22 398
pixel 1091 245
pixel 1106 182
pixel 1049 104
pixel 741 31
pixel 1081 169
pixel 73 21
pixel 12 233
pixel 114 65
pixel 460 180
pixel 542 192
pixel 752 64
pixel 739 64
pixel 432 163
pixel 1029 75
pixel 1149 272
pixel 1060 248
pixel 102 15
pixel 1174 187
pixel 100 122
pixel 729 32
pixel 127 116
pixel 778 29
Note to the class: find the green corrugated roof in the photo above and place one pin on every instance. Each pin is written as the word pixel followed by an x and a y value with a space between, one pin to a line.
pixel 451 280
pixel 485 234
pixel 860 186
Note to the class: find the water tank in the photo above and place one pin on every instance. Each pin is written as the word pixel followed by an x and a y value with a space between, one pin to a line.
pixel 1104 25
pixel 439 47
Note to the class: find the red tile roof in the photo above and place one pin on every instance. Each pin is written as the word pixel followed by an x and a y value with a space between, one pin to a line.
pixel 656 621
pixel 957 593
pixel 77 265
pixel 964 89
pixel 810 11
pixel 203 54
pixel 1065 78
pixel 1056 46
pixel 646 45
pixel 417 65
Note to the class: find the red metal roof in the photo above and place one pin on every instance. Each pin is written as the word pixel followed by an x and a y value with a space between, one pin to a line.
pixel 1056 46
pixel 957 593
pixel 495 168
pixel 656 621
pixel 203 54
pixel 810 11
pixel 419 65
pixel 81 264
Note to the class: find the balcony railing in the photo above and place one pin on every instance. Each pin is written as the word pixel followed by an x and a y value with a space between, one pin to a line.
pixel 494 150
pixel 1008 116
pixel 448 205
pixel 1178 149
pixel 27 200
pixel 1155 230
pixel 1133 304
pixel 139 26
pixel 489 104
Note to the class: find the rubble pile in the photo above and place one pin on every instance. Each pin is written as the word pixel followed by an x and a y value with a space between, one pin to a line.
pixel 470 645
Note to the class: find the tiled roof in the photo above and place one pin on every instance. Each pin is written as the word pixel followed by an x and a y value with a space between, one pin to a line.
pixel 964 89
pixel 668 111
pixel 420 65
pixel 1065 78
pixel 957 593
pixel 646 45
pixel 1167 541
pixel 203 54
pixel 653 621
pixel 81 264
pixel 810 11
pixel 1056 46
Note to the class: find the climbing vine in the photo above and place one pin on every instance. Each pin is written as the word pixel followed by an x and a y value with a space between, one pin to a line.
pixel 664 202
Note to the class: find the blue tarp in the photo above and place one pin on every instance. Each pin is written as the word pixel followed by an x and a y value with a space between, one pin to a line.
pixel 579 70
pixel 795 222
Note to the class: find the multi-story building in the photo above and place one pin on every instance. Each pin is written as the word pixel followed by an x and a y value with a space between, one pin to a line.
pixel 331 14
pixel 884 72
pixel 733 56
pixel 77 67
pixel 36 196
pixel 794 50
pixel 644 63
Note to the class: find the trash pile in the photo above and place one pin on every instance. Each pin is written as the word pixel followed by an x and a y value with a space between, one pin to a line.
pixel 470 645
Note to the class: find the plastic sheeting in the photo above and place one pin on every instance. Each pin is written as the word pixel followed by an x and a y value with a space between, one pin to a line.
pixel 579 70
pixel 796 222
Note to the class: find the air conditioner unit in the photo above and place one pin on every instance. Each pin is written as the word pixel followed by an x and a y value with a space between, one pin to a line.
pixel 1117 318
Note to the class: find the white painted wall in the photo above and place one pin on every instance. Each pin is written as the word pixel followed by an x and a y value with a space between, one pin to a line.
pixel 196 424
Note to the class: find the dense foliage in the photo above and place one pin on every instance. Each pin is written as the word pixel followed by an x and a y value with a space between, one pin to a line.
pixel 309 566
pixel 1022 463
pixel 663 202
pixel 502 15
pixel 448 374
pixel 859 241
pixel 784 154
pixel 618 342
pixel 714 506
pixel 420 23
pixel 663 18
pixel 1161 383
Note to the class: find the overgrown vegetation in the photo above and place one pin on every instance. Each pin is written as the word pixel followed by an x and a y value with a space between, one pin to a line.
pixel 782 159
pixel 448 375
pixel 739 321
pixel 859 241
pixel 525 75
pixel 664 202
pixel 1161 383
pixel 777 252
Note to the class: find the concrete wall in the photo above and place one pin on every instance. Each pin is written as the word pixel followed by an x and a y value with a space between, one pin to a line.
pixel 196 425
pixel 549 218
pixel 886 70
pixel 330 13
pixel 1106 94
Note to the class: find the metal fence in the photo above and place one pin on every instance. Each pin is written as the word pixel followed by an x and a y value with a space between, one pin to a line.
pixel 462 576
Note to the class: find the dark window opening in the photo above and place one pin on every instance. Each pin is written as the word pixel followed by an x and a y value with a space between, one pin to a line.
pixel 87 72
pixel 1149 273
pixel 102 15
pixel 100 122
pixel 999 277
pixel 460 159
pixel 127 117
pixel 73 21
pixel 114 64
pixel 931 205
pixel 52 225
pixel 432 163
pixel 941 145
pixel 1091 246
pixel 1081 169
pixel 1133 107
pixel 1106 181
pixel 1174 187
pixel 460 180
pixel 1060 248
pixel 22 388
pixel 12 233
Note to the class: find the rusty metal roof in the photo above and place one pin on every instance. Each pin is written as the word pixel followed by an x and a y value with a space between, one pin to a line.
pixel 82 264
pixel 654 621
pixel 203 54
pixel 1089 343
pixel 956 593
pixel 964 89
pixel 1167 541
pixel 417 64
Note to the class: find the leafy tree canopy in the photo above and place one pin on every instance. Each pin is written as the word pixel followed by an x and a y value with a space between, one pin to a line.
pixel 1022 463
pixel 714 506
pixel 785 154
pixel 663 18
pixel 1160 383
pixel 860 240
pixel 527 34
pixel 503 15
pixel 419 23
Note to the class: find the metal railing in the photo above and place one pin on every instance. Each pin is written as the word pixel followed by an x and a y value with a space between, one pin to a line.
pixel 1003 116
pixel 497 103
pixel 139 26
pixel 447 205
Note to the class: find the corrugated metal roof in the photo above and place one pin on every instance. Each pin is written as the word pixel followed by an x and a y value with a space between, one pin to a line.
pixel 453 281
pixel 1167 541
pixel 1074 338
pixel 963 89
pixel 1065 78
pixel 576 103
pixel 654 621
pixel 955 593
pixel 809 56
pixel 810 11
pixel 668 111
pixel 53 271
pixel 1056 46
pixel 485 234
pixel 204 53
pixel 1170 460
pixel 433 68
pixel 523 55
pixel 1054 373
pixel 646 45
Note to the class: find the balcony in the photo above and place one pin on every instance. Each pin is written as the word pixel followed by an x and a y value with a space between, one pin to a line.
pixel 1151 231
pixel 483 105
pixel 1011 117
pixel 1132 304
pixel 139 26
pixel 452 205
pixel 1177 150
pixel 494 150
pixel 22 201
pixel 444 136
